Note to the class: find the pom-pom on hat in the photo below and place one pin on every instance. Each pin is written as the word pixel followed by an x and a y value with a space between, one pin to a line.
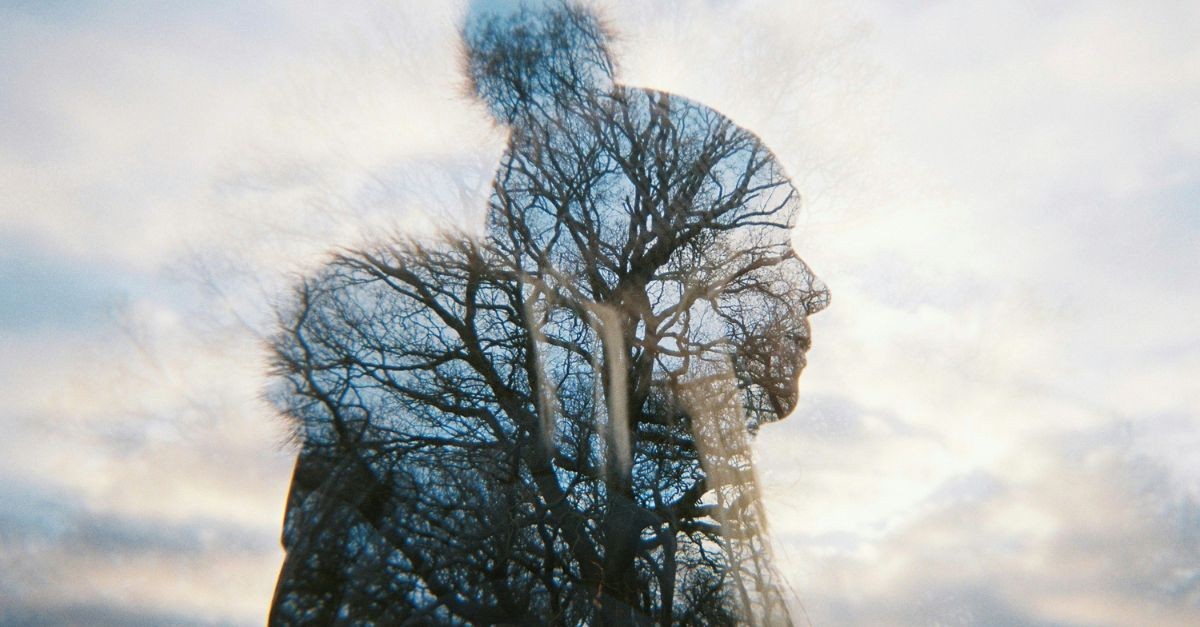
pixel 526 56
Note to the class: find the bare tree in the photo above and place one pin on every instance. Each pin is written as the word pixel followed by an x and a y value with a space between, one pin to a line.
pixel 550 425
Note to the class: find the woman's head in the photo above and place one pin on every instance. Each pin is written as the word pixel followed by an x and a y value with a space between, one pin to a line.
pixel 646 204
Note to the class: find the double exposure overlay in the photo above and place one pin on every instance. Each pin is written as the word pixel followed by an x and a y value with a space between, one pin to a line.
pixel 550 424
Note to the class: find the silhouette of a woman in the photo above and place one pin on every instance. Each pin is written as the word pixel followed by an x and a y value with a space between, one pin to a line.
pixel 551 424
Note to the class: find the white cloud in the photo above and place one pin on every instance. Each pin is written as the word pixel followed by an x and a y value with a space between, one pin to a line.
pixel 1018 316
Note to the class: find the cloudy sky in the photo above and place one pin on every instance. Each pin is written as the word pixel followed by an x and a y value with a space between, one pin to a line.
pixel 1000 417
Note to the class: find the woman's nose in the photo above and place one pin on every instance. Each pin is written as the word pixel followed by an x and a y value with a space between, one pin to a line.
pixel 815 294
pixel 817 298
